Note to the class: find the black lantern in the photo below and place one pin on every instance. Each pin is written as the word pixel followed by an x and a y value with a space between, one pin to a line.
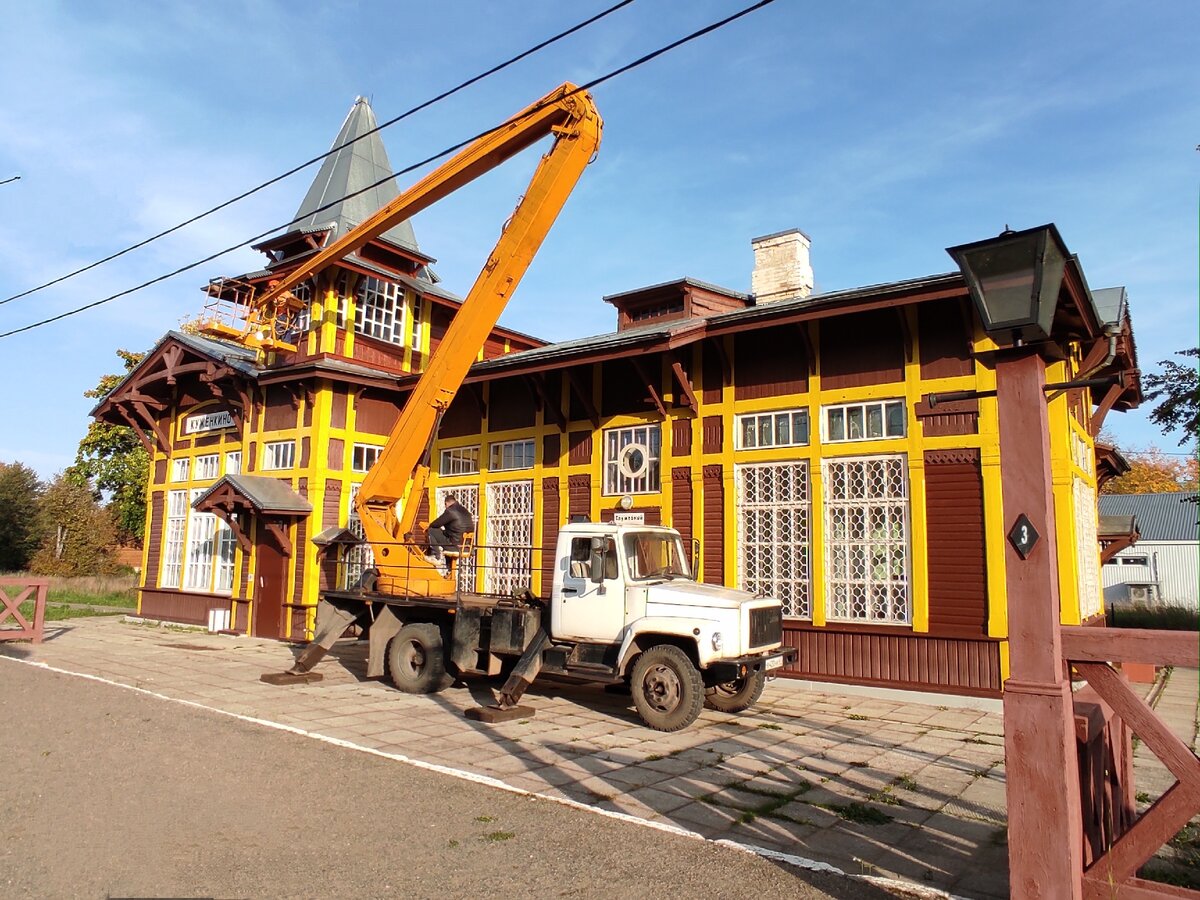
pixel 1014 280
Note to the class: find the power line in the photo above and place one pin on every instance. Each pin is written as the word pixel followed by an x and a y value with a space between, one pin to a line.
pixel 640 61
pixel 14 178
pixel 292 171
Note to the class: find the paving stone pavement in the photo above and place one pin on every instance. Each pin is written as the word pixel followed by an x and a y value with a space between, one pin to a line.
pixel 872 786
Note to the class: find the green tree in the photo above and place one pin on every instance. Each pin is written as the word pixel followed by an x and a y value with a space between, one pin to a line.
pixel 78 535
pixel 20 527
pixel 112 459
pixel 1177 388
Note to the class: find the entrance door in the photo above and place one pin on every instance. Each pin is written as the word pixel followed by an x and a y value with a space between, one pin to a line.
pixel 269 590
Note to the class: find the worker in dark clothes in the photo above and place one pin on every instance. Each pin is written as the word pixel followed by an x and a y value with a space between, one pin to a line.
pixel 447 530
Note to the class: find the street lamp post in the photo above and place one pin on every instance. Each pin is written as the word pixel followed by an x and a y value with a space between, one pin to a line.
pixel 1014 281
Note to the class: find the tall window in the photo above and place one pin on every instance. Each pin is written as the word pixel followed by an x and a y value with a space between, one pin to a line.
pixel 202 530
pixel 172 566
pixel 786 428
pixel 510 455
pixel 279 455
pixel 417 327
pixel 359 557
pixel 867 539
pixel 459 461
pixel 304 293
pixel 864 421
pixel 631 460
pixel 380 310
pixel 1087 548
pixel 509 537
pixel 468 498
pixel 773 533
pixel 233 462
pixel 363 457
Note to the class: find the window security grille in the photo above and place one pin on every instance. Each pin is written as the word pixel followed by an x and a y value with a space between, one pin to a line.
pixel 509 537
pixel 468 497
pixel 1087 548
pixel 867 539
pixel 773 511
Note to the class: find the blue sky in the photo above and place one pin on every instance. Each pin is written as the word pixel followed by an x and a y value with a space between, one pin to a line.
pixel 886 131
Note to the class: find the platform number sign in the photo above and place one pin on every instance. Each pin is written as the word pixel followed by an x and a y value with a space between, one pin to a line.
pixel 1023 536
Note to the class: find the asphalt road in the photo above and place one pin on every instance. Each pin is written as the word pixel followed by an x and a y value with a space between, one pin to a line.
pixel 109 793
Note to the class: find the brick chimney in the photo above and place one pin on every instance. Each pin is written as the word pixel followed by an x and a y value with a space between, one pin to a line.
pixel 782 270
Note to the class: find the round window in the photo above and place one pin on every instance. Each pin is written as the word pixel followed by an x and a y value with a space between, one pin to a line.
pixel 634 460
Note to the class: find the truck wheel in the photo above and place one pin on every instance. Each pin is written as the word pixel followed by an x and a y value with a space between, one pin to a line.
pixel 416 659
pixel 667 689
pixel 737 695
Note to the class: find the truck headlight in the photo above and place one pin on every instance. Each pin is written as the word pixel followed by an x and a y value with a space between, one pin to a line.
pixel 717 642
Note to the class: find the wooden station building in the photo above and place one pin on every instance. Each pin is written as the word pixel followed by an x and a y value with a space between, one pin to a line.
pixel 797 436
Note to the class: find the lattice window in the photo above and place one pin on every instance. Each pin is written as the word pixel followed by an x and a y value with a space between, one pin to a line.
pixel 459 461
pixel 171 570
pixel 631 460
pixel 359 557
pixel 773 533
pixel 509 537
pixel 468 498
pixel 380 310
pixel 1087 548
pixel 867 539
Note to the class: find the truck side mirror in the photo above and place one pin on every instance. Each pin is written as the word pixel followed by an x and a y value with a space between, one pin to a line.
pixel 599 545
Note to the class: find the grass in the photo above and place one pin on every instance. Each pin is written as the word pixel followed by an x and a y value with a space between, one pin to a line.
pixel 92 590
pixel 493 837
pixel 859 813
pixel 1167 618
pixel 59 613
pixel 905 783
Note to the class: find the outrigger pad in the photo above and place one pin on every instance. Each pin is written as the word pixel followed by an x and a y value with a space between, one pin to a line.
pixel 291 677
pixel 493 715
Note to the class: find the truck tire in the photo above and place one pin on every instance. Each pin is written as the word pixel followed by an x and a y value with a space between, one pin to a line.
pixel 668 691
pixel 416 659
pixel 737 695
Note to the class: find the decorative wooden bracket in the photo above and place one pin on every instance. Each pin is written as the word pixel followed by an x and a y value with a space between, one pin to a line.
pixel 1095 355
pixel 225 513
pixel 1111 396
pixel 280 534
pixel 549 408
pixel 164 440
pixel 655 400
pixel 685 385
pixel 588 407
pixel 810 355
pixel 137 429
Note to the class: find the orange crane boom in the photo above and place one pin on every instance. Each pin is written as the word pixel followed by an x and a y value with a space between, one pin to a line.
pixel 389 497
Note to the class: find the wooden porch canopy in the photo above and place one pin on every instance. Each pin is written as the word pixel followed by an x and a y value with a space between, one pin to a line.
pixel 211 370
pixel 235 497
pixel 1116 533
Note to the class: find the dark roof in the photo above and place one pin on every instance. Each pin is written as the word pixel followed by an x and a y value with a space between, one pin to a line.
pixel 351 169
pixel 265 494
pixel 678 282
pixel 1160 517
pixel 233 355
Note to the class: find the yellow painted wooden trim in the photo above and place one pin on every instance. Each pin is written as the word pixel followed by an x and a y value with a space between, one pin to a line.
pixel 994 529
pixel 1005 667
pixel 918 535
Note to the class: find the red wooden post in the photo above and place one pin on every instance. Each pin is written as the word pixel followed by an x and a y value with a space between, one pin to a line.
pixel 1045 832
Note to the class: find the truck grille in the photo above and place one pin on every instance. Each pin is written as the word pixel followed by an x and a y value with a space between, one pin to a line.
pixel 766 626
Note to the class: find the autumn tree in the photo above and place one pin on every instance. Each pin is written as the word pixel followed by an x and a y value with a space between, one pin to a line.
pixel 20 527
pixel 1177 388
pixel 78 535
pixel 1154 472
pixel 112 459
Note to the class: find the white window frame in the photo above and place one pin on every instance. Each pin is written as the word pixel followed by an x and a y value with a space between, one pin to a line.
pixel 417 325
pixel 765 429
pixel 208 467
pixel 233 462
pixel 358 557
pixel 504 456
pixel 864 410
pixel 363 456
pixel 381 308
pixel 180 469
pixel 170 571
pixel 304 293
pixel 632 463
pixel 868 567
pixel 467 497
pixel 279 455
pixel 459 461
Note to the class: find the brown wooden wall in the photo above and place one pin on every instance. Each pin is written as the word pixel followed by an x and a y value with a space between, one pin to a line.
pixel 550 523
pixel 176 606
pixel 154 538
pixel 769 362
pixel 957 567
pixel 862 349
pixel 681 504
pixel 714 526
pixel 579 496
pixel 903 660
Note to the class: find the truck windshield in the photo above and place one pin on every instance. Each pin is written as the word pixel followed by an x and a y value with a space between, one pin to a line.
pixel 655 556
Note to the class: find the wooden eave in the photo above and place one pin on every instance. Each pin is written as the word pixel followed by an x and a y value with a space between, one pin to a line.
pixel 314 368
